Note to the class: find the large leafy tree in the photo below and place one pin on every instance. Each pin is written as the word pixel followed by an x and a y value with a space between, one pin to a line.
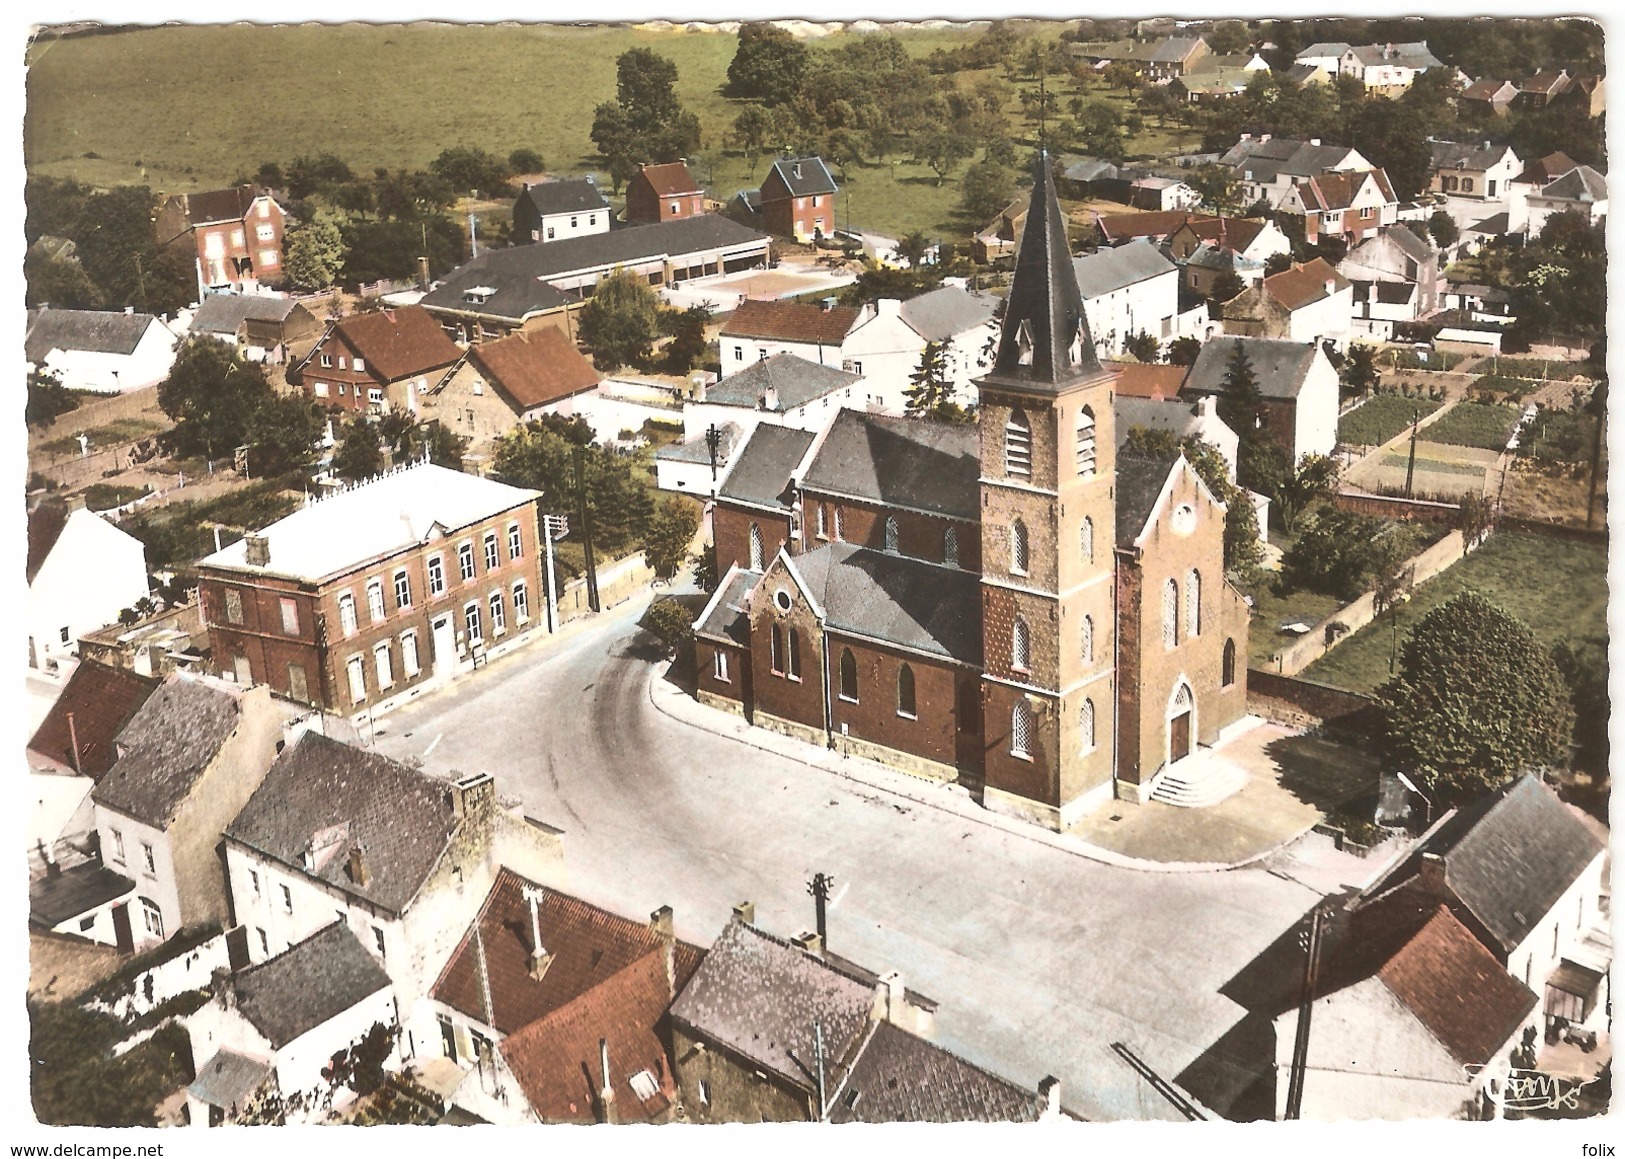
pixel 767 65
pixel 666 539
pixel 283 431
pixel 315 253
pixel 47 399
pixel 1477 700
pixel 1344 553
pixel 539 456
pixel 211 393
pixel 621 321
pixel 118 250
pixel 1314 477
pixel 466 168
pixel 359 454
pixel 986 188
pixel 646 122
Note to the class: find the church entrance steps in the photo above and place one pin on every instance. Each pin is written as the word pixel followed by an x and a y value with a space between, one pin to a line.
pixel 1199 781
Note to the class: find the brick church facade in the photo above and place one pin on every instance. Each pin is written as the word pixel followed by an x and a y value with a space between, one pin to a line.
pixel 1005 604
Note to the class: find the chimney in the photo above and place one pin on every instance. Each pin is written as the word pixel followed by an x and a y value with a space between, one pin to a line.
pixel 891 998
pixel 827 304
pixel 257 551
pixel 810 942
pixel 1049 1090
pixel 797 170
pixel 660 922
pixel 472 795
pixel 1315 141
pixel 128 310
pixel 75 503
pixel 540 959
pixel 1331 287
pixel 423 273
pixel 606 1093
pixel 770 397
pixel 1432 874
pixel 52 868
pixel 356 867
pixel 745 912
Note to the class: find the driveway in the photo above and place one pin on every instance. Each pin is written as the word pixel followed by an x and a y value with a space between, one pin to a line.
pixel 1040 958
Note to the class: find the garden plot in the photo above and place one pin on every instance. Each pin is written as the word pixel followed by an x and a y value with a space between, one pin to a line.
pixel 1443 470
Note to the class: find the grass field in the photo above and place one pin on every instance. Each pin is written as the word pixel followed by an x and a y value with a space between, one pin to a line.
pixel 1475 424
pixel 132 106
pixel 1396 359
pixel 1270 611
pixel 1380 418
pixel 1558 587
pixel 117 431
pixel 1442 470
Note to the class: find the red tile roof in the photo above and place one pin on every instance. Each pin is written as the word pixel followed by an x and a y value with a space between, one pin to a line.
pixel 1147 380
pixel 534 368
pixel 670 179
pixel 101 700
pixel 1333 191
pixel 1304 285
pixel 1231 233
pixel 1118 227
pixel 398 343
pixel 1548 168
pixel 791 322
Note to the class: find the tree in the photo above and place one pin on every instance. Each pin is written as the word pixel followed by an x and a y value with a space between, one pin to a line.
pixel 1142 346
pixel 767 65
pixel 752 133
pixel 538 456
pixel 1584 665
pixel 467 169
pixel 1360 374
pixel 118 252
pixel 1120 74
pixel 1393 588
pixel 1474 516
pixel 526 161
pixel 315 253
pixel 930 384
pixel 1241 403
pixel 1218 187
pixel 47 399
pixel 59 283
pixel 942 151
pixel 670 622
pixel 666 540
pixel 1242 550
pixel 1315 477
pixel 358 455
pixel 687 346
pixel 912 247
pixel 1228 37
pixel 621 321
pixel 705 569
pixel 1226 285
pixel 1183 351
pixel 646 122
pixel 282 434
pixel 1477 700
pixel 211 394
pixel 985 189
pixel 1443 228
pixel 1098 131
pixel 1343 553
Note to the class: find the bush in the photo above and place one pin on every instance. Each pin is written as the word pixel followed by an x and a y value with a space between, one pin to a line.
pixel 1340 553
pixel 669 621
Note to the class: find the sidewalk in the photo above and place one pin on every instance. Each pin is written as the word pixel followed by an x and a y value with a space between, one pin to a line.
pixel 1165 824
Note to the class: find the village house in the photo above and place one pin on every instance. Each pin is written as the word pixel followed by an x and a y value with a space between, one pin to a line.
pixel 1197 419
pixel 167 641
pixel 1128 290
pixel 234 235
pixel 965 324
pixel 1351 206
pixel 1266 168
pixel 556 210
pixel 99 350
pixel 1323 56
pixel 1397 276
pixel 376 362
pixel 1544 87
pixel 1311 302
pixel 1206 247
pixel 1298 383
pixel 82 571
pixel 658 193
pixel 555 1010
pixel 1587 91
pixel 1581 191
pixel 797 199
pixel 403 858
pixel 502 383
pixel 1214 83
pixel 362 599
pixel 1488 97
pixel 269 1033
pixel 1387 70
pixel 262 328
pixel 1474 171
pixel 1174 56
pixel 1115 229
pixel 959 621
pixel 1535 177
pixel 761 329
pixel 1002 236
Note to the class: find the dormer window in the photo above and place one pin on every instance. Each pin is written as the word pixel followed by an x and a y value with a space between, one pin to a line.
pixel 478 295
pixel 1024 344
pixel 1074 352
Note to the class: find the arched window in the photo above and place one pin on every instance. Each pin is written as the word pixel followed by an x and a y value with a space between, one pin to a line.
pixel 840 524
pixel 823 532
pixel 905 691
pixel 1193 603
pixel 794 655
pixel 1086 727
pixel 1086 443
pixel 891 534
pixel 1020 645
pixel 152 917
pixel 1227 675
pixel 1088 646
pixel 1086 540
pixel 1170 613
pixel 775 649
pixel 1018 547
pixel 1021 728
pixel 950 547
pixel 1018 446
pixel 849 676
pixel 755 547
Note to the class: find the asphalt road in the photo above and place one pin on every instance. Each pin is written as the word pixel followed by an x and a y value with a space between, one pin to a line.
pixel 1040 958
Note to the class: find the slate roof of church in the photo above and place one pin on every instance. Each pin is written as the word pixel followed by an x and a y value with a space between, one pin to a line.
pixel 896 600
pixel 1139 483
pixel 920 464
pixel 761 474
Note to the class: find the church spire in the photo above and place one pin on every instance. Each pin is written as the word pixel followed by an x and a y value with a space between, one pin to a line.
pixel 1045 342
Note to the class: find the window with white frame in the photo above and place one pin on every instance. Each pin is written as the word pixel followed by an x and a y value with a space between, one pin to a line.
pixel 719 666
pixel 1086 726
pixel 265 232
pixel 465 561
pixel 347 621
pixel 375 600
pixel 849 676
pixel 437 575
pixel 269 260
pixel 356 668
pixel 152 917
pixel 359 364
pixel 755 547
pixel 516 542
pixel 1018 446
pixel 237 238
pixel 327 361
pixel 290 617
pixel 1021 729
pixel 840 524
pixel 403 590
pixel 382 665
pixel 265 941
pixel 822 531
pixel 409 654
pixel 118 845
pixel 499 614
pixel 905 692
pixel 1086 540
pixel 493 559
pixel 254 881
pixel 149 857
pixel 287 898
pixel 891 534
pixel 471 623
pixel 521 604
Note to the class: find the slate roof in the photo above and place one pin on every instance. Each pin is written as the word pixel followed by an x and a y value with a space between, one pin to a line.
pixel 166 746
pixel 45 525
pixel 670 179
pixel 1139 483
pixel 1489 89
pixel 900 462
pixel 1168 414
pixel 589 946
pixel 1090 169
pixel 570 195
pixel 1478 155
pixel 226 313
pixel 1494 225
pixel 796 380
pixel 402 819
pixel 1231 233
pixel 757 996
pixel 220 204
pixel 791 322
pixel 901 1078
pixel 948 312
pixel 815 178
pixel 508 289
pixel 79 889
pixel 534 367
pixel 724 619
pixel 1217 80
pixel 1508 857
pixel 94 331
pixel 1115 268
pixel 1414 55
pixel 304 986
pixel 1173 49
pixel 896 600
pixel 1305 285
pixel 1280 366
pixel 397 343
pixel 101 699
pixel 1267 160
pixel 1582 183
pixel 1548 82
pixel 761 474
pixel 1416 248
pixel 1323 48
pixel 228 1078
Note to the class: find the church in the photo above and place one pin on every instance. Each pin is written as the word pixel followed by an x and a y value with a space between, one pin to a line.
pixel 1009 604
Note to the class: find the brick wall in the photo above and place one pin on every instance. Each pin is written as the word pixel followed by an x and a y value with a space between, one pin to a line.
pixel 734 1091
pixel 919 536
pixel 801 698
pixel 730 530
pixel 1304 702
pixel 737 686
pixel 875 716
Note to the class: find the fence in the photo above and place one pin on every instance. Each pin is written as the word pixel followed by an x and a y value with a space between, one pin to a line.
pixel 87 416
pixel 1309 704
pixel 192 970
pixel 1394 507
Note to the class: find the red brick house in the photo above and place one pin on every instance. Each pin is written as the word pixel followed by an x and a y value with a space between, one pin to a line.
pixel 797 199
pixel 946 598
pixel 1352 206
pixel 236 233
pixel 663 193
pixel 374 362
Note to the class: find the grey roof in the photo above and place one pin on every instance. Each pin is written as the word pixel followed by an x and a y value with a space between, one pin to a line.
pixel 726 619
pixel 896 600
pixel 228 1078
pixel 1324 48
pixel 1172 49
pixel 1509 856
pixel 901 462
pixel 1139 482
pixel 1281 367
pixel 758 997
pixel 1090 169
pixel 1477 155
pixel 902 1078
pixel 402 819
pixel 1395 293
pixel 696 450
pixel 1415 248
pixel 1302 72
pixel 1580 184
pixel 98 331
pixel 225 313
pixel 519 274
pixel 761 474
pixel 1178 415
pixel 53 900
pixel 572 195
pixel 796 380
pixel 165 748
pixel 1266 160
pixel 815 178
pixel 304 986
pixel 947 312
pixel 1110 269
pixel 1495 224
pixel 1412 55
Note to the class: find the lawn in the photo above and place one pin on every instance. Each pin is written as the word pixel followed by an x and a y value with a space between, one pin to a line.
pixel 1558 587
pixel 1380 418
pixel 1395 358
pixel 117 431
pixel 1476 424
pixel 1270 611
pixel 1539 369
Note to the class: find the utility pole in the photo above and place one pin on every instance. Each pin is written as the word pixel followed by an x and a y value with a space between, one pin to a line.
pixel 585 516
pixel 819 887
pixel 1306 1005
pixel 713 443
pixel 818 1062
pixel 554 527
pixel 1410 469
pixel 1596 455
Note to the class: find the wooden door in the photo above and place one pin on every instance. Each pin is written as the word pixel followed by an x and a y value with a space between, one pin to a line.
pixel 1179 737
pixel 121 928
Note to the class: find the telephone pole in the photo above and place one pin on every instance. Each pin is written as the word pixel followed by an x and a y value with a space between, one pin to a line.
pixel 1410 469
pixel 819 887
pixel 1306 1005
pixel 585 516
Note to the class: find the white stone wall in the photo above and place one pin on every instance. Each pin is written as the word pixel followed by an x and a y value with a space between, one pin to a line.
pixel 1317 411
pixel 578 224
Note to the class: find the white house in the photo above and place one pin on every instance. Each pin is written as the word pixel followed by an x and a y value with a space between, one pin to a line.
pixel 1581 191
pixel 555 210
pixel 99 350
pixel 1298 383
pixel 758 330
pixel 886 350
pixel 965 324
pixel 1198 418
pixel 1128 290
pixel 1323 56
pixel 1387 69
pixel 82 572
pixel 1267 167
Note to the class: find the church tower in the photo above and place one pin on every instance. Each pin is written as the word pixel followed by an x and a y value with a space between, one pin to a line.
pixel 1048 538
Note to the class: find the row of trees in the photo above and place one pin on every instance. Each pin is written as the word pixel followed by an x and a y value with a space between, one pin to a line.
pixel 118 262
